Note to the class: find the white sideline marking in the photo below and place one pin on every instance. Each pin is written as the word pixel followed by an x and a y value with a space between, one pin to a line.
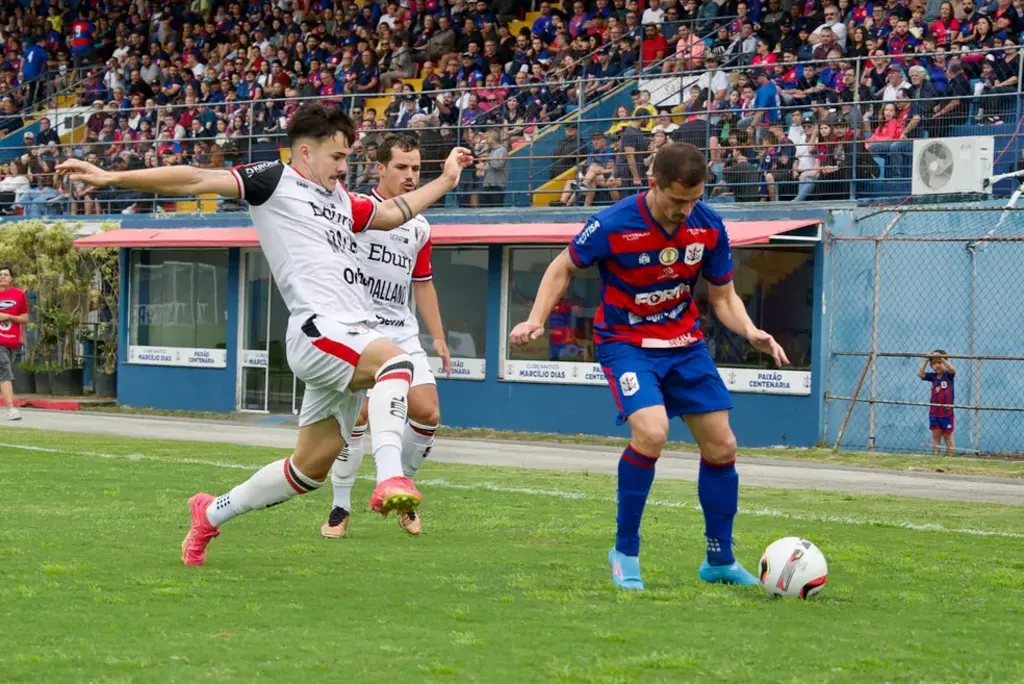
pixel 557 493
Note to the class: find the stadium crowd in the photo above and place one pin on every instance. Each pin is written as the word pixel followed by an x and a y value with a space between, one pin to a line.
pixel 774 90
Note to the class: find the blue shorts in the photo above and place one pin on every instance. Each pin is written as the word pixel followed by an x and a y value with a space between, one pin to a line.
pixel 944 425
pixel 685 381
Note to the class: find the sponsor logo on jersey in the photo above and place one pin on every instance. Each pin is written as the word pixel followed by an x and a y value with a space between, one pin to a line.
pixel 386 291
pixel 662 296
pixel 255 169
pixel 340 241
pixel 644 259
pixel 588 230
pixel 668 256
pixel 382 255
pixel 390 322
pixel 331 213
pixel 7 304
pixel 694 254
pixel 632 237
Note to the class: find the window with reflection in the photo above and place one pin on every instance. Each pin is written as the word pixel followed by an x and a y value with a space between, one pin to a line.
pixel 178 298
pixel 460 278
pixel 776 285
pixel 777 288
pixel 569 334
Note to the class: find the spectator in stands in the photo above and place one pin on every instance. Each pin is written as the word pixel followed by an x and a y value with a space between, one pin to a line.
pixel 569 152
pixel 495 176
pixel 10 120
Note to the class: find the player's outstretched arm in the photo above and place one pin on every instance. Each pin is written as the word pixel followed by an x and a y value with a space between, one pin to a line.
pixel 398 210
pixel 552 288
pixel 173 181
pixel 730 311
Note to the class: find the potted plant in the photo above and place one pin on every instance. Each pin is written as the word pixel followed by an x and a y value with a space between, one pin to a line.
pixel 104 295
pixel 24 378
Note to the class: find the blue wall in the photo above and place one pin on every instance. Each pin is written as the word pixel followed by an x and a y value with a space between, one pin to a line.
pixel 925 303
pixel 175 388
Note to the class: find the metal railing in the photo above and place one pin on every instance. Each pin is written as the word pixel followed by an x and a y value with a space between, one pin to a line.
pixel 750 156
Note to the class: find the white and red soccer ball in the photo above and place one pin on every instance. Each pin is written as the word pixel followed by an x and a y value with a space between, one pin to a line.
pixel 792 567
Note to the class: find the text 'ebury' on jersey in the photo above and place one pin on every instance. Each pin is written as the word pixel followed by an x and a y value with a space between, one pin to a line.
pixel 392 261
pixel 307 235
pixel 647 275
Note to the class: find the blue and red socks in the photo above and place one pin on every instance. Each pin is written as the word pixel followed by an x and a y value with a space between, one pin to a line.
pixel 718 487
pixel 636 473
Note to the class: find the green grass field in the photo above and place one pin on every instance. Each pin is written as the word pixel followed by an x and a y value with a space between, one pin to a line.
pixel 508 584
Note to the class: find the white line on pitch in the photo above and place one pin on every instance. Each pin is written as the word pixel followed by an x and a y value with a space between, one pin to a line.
pixel 556 493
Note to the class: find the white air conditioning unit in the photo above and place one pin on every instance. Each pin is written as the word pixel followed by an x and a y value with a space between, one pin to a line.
pixel 951 165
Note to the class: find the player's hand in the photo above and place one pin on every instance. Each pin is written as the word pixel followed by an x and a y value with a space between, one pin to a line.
pixel 84 171
pixel 441 347
pixel 525 332
pixel 459 159
pixel 766 344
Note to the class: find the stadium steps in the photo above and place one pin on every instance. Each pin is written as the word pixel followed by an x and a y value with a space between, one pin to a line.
pixel 206 204
pixel 552 190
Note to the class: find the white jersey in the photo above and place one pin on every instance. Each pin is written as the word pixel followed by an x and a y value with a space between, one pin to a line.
pixel 392 261
pixel 307 234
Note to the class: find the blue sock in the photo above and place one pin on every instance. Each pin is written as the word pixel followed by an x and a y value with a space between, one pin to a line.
pixel 636 473
pixel 718 488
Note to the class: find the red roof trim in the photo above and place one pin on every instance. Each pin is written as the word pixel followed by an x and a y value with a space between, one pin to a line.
pixel 740 233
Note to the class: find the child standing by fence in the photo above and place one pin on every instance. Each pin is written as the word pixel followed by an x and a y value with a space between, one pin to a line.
pixel 940 412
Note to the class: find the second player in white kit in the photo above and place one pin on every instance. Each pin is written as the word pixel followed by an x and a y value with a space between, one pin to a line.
pixel 399 280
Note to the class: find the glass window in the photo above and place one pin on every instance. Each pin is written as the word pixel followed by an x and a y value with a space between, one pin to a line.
pixel 568 335
pixel 178 298
pixel 777 287
pixel 460 277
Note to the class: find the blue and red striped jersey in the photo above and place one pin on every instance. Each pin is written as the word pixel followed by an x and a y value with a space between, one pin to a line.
pixel 942 395
pixel 648 275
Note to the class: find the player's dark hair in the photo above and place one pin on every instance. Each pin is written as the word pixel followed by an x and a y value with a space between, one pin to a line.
pixel 400 141
pixel 679 163
pixel 317 122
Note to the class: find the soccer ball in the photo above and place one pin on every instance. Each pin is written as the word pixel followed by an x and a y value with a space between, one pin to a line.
pixel 793 568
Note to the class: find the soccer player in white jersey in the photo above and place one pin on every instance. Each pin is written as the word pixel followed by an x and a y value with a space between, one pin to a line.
pixel 306 223
pixel 400 282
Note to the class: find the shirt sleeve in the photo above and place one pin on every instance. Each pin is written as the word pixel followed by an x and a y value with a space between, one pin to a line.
pixel 929 377
pixel 257 182
pixel 422 271
pixel 718 264
pixel 590 245
pixel 363 211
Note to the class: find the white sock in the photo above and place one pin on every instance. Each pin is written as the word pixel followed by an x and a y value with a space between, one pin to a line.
pixel 387 413
pixel 346 467
pixel 272 484
pixel 416 447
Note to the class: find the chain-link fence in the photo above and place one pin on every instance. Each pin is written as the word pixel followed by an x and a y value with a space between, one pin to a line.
pixel 905 283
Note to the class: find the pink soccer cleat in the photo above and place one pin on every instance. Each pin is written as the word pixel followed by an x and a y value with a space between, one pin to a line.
pixel 395 494
pixel 193 549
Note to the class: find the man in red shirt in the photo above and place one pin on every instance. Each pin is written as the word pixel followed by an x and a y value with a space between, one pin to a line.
pixel 13 315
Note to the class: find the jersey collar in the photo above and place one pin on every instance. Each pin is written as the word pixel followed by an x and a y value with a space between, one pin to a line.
pixel 376 195
pixel 645 212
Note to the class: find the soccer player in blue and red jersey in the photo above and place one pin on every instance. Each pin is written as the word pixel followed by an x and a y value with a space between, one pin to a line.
pixel 940 412
pixel 649 249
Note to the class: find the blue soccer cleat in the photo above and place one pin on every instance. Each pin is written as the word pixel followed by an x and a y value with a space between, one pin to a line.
pixel 726 574
pixel 625 570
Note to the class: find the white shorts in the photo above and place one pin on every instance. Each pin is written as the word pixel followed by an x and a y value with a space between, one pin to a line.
pixel 324 353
